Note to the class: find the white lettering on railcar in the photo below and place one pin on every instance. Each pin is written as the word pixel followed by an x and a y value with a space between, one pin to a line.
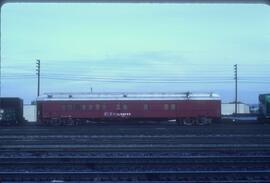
pixel 117 114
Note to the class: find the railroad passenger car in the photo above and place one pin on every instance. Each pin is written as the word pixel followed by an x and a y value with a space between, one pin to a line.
pixel 11 110
pixel 264 107
pixel 188 108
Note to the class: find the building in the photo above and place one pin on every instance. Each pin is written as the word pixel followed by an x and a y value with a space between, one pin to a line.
pixel 29 112
pixel 229 108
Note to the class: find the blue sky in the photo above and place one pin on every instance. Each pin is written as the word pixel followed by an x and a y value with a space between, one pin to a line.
pixel 136 47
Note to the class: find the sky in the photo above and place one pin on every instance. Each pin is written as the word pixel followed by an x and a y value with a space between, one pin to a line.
pixel 136 48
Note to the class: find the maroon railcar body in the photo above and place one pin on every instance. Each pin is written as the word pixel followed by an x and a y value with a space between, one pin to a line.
pixel 117 106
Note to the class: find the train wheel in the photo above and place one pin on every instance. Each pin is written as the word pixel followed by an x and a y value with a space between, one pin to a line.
pixel 197 121
pixel 204 121
pixel 188 122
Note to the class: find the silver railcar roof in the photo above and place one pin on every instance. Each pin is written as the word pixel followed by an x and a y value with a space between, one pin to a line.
pixel 128 96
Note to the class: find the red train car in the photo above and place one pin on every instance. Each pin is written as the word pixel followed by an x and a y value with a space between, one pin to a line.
pixel 188 108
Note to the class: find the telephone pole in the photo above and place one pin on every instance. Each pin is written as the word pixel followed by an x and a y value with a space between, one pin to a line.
pixel 0 71
pixel 235 78
pixel 38 74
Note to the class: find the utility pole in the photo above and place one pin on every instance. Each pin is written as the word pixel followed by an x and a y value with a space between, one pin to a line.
pixel 0 66
pixel 235 78
pixel 38 74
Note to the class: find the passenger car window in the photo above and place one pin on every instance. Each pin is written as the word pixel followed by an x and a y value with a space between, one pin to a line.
pixel 118 107
pixel 125 107
pixel 166 107
pixel 83 107
pixel 90 107
pixel 97 107
pixel 63 107
pixel 69 107
pixel 173 106
pixel 145 107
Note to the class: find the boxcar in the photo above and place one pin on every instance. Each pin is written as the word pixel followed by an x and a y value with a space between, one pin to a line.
pixel 187 108
pixel 11 110
pixel 264 107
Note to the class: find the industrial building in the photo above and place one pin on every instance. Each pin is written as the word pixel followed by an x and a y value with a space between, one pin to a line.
pixel 229 108
pixel 29 112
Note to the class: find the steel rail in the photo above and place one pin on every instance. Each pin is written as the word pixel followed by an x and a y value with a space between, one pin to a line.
pixel 137 142
pixel 165 159
pixel 137 148
pixel 144 136
pixel 140 175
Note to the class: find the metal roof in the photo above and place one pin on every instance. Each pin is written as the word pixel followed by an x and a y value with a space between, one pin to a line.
pixel 128 96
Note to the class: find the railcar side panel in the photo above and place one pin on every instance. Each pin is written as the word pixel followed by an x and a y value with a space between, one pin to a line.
pixel 11 110
pixel 139 109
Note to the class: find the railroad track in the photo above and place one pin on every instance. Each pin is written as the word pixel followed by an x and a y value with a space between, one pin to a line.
pixel 132 153
pixel 145 169
pixel 135 148
pixel 230 168
pixel 263 139
pixel 134 143
pixel 136 168
pixel 263 159
pixel 138 176
pixel 105 164
pixel 155 129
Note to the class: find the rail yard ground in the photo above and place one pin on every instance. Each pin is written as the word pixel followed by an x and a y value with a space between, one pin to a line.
pixel 156 152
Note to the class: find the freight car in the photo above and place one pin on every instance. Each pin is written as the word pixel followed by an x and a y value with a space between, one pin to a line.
pixel 187 108
pixel 11 111
pixel 264 107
